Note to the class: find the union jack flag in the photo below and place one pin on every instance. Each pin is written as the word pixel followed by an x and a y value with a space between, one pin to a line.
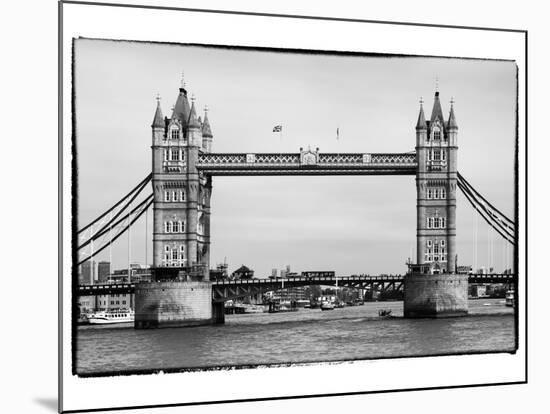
pixel 277 128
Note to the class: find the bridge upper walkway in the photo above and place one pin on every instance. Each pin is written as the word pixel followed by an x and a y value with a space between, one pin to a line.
pixel 300 164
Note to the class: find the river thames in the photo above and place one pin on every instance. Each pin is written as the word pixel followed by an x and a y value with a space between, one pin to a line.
pixel 309 335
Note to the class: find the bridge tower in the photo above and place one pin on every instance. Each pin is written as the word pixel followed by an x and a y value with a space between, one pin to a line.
pixel 180 293
pixel 181 195
pixel 432 287
pixel 436 151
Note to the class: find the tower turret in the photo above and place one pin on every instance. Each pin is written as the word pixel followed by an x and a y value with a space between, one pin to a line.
pixel 158 124
pixel 206 133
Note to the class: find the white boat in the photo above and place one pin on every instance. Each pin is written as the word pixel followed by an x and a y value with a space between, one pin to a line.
pixel 111 316
pixel 510 298
pixel 327 306
pixel 253 309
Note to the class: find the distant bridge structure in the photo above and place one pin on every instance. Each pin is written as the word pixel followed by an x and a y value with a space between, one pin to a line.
pixel 224 290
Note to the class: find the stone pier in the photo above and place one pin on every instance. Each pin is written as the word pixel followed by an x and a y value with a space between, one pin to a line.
pixel 173 304
pixel 435 295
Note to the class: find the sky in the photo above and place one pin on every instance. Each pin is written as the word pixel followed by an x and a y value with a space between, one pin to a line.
pixel 349 224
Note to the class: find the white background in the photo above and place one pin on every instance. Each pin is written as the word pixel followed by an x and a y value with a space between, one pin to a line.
pixel 29 108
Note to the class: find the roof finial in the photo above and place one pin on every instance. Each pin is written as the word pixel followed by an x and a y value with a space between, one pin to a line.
pixel 205 109
pixel 437 83
pixel 158 97
pixel 182 82
pixel 421 102
pixel 452 101
pixel 193 98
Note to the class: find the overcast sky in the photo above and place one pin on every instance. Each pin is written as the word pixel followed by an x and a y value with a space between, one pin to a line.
pixel 363 224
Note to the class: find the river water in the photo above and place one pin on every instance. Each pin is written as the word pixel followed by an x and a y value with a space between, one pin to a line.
pixel 309 335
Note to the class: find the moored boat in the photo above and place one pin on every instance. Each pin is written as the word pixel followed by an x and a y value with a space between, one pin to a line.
pixel 111 316
pixel 510 300
pixel 327 306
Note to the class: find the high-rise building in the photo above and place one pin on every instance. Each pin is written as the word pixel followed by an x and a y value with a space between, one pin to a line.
pixel 88 274
pixel 103 271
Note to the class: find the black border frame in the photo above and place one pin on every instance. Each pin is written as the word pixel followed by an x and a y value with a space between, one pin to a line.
pixel 303 17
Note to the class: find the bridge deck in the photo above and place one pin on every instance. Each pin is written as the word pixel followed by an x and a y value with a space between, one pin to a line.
pixel 227 289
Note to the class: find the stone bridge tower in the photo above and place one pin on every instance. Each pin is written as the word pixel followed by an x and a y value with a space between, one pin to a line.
pixel 436 151
pixel 181 224
pixel 432 287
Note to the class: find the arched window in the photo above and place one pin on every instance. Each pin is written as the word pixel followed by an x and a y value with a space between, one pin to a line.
pixel 443 193
pixel 169 227
pixel 436 193
pixel 174 196
pixel 442 222
pixel 429 193
pixel 176 226
pixel 437 134
pixel 182 195
pixel 175 154
pixel 174 133
pixel 167 196
pixel 165 155
pixel 166 229
pixel 182 226
pixel 174 254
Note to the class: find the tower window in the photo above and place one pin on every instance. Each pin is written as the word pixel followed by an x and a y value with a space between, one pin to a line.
pixel 182 195
pixel 443 193
pixel 174 196
pixel 430 222
pixel 167 196
pixel 175 154
pixel 443 155
pixel 429 193
pixel 182 226
pixel 176 226
pixel 165 155
pixel 175 133
pixel 436 193
pixel 437 134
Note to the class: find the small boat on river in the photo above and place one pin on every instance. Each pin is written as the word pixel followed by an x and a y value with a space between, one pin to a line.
pixel 111 316
pixel 384 313
pixel 510 300
pixel 327 306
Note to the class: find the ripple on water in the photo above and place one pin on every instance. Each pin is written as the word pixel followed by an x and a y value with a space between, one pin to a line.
pixel 309 335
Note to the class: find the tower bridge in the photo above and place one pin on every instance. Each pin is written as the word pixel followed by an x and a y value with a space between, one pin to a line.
pixel 183 167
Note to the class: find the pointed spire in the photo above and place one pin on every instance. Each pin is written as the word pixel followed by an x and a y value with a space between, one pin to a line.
pixel 421 123
pixel 193 121
pixel 181 108
pixel 452 119
pixel 437 112
pixel 158 120
pixel 206 130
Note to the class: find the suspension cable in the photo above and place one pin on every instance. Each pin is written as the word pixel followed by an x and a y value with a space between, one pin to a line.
pixel 496 222
pixel 120 233
pixel 140 186
pixel 122 219
pixel 464 181
pixel 505 235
